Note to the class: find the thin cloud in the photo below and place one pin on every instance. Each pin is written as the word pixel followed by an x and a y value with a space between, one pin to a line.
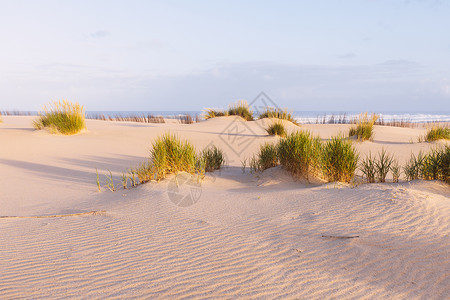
pixel 100 34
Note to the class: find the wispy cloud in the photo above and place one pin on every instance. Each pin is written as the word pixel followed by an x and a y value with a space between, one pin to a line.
pixel 100 34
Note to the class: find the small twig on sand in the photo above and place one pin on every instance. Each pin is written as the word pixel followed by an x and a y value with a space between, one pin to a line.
pixel 340 237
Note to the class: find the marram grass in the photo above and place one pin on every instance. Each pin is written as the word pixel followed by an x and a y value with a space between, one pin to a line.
pixel 62 117
pixel 171 155
pixel 363 129
pixel 299 153
pixel 213 158
pixel 242 109
pixel 276 128
pixel 438 133
pixel 339 160
pixel 278 113
pixel 266 158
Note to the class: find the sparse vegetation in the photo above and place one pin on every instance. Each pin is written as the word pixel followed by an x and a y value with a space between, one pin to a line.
pixel 267 157
pixel 436 164
pixel 396 170
pixel 110 182
pixel 62 117
pixel 367 167
pixel 413 167
pixel 364 127
pixel 243 165
pixel 339 160
pixel 383 165
pixel 438 133
pixel 213 158
pixel 242 109
pixel 212 113
pixel 278 113
pixel 276 128
pixel 299 153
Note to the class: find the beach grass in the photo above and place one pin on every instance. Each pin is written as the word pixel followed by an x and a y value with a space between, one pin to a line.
pixel 267 157
pixel 367 167
pixel 363 130
pixel 278 113
pixel 436 164
pixel 277 128
pixel 383 164
pixel 242 109
pixel 169 155
pixel 396 170
pixel 299 153
pixel 213 158
pixel 413 167
pixel 62 117
pixel 339 160
pixel 212 113
pixel 437 133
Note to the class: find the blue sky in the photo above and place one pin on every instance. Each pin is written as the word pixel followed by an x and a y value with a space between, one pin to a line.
pixel 187 55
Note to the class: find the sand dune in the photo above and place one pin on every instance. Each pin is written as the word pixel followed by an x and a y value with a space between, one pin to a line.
pixel 246 235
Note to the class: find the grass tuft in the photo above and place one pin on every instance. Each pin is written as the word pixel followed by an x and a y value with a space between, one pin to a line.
pixel 438 133
pixel 299 153
pixel 277 128
pixel 368 168
pixel 242 109
pixel 383 165
pixel 63 117
pixel 171 155
pixel 212 113
pixel 213 158
pixel 278 113
pixel 364 127
pixel 413 167
pixel 339 160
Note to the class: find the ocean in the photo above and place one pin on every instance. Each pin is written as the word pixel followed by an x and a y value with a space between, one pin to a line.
pixel 307 116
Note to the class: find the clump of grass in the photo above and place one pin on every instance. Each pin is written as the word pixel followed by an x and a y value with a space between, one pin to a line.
pixel 171 155
pixel 396 170
pixel 413 167
pixel 436 164
pixel 213 158
pixel 278 113
pixel 242 109
pixel 299 153
pixel 339 160
pixel 145 172
pixel 276 128
pixel 383 165
pixel 267 156
pixel 364 127
pixel 437 133
pixel 63 117
pixel 212 113
pixel 368 168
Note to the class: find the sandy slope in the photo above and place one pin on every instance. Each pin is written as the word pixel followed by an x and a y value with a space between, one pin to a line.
pixel 247 236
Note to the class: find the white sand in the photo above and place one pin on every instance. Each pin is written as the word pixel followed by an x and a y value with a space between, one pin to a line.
pixel 248 236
